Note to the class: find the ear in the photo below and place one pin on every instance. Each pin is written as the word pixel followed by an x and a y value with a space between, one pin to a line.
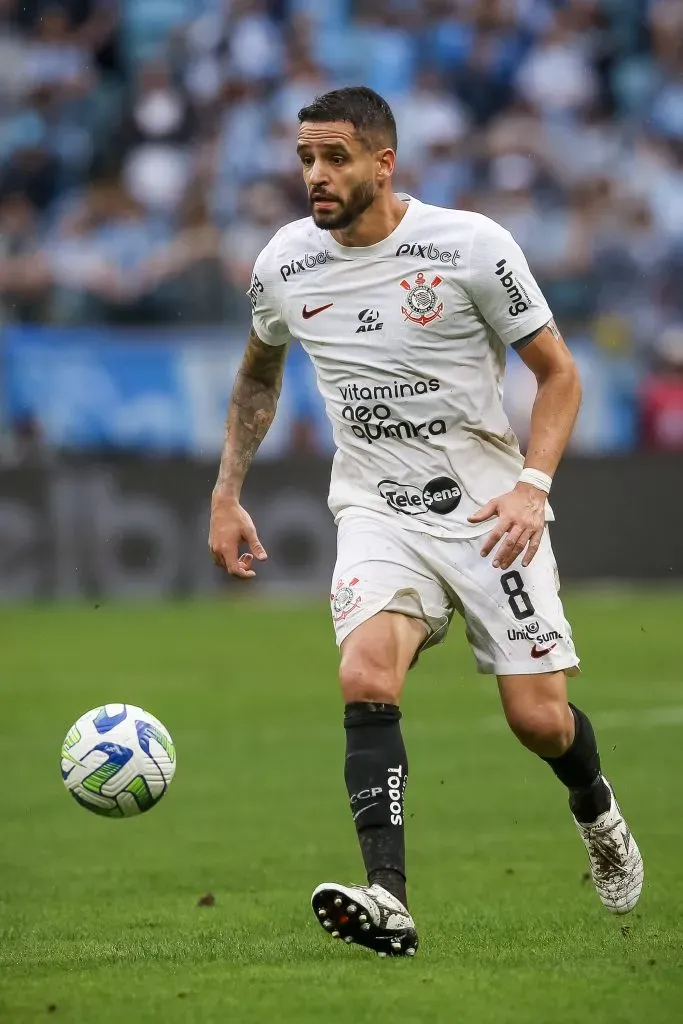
pixel 386 159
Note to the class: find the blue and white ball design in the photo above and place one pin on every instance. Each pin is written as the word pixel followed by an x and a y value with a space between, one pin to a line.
pixel 118 760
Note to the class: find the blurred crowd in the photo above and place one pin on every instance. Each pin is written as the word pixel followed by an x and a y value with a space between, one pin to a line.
pixel 147 152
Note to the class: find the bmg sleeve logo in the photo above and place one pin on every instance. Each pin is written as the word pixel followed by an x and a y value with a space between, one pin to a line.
pixel 255 290
pixel 520 300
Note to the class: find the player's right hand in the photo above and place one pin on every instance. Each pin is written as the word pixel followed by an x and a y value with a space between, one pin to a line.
pixel 231 527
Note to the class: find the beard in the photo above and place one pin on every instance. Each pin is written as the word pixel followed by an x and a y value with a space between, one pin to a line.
pixel 346 212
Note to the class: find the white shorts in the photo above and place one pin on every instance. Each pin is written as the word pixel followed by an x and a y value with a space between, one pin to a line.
pixel 514 619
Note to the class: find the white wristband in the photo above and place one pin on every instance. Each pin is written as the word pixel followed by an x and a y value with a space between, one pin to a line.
pixel 537 479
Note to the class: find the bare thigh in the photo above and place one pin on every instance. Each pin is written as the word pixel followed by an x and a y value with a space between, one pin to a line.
pixel 376 656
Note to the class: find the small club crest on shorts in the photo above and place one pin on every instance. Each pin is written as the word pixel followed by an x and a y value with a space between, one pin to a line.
pixel 422 301
pixel 345 599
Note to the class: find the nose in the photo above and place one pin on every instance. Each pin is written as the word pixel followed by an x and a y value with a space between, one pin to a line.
pixel 318 175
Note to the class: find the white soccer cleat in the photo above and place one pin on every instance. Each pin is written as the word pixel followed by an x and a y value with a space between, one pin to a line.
pixel 367 915
pixel 616 864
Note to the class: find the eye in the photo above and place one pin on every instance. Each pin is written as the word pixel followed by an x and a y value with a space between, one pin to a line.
pixel 306 160
pixel 338 160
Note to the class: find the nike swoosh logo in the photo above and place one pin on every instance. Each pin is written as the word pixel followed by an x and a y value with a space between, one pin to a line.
pixel 538 652
pixel 366 808
pixel 308 313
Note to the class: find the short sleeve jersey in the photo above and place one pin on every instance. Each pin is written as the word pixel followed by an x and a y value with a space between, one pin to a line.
pixel 408 338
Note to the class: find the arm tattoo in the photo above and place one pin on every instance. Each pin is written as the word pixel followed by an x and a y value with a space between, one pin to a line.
pixel 252 410
pixel 550 326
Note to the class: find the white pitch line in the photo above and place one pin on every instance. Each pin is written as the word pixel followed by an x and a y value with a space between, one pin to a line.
pixel 620 718
pixel 645 718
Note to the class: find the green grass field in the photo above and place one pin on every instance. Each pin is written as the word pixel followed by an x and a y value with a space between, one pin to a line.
pixel 99 919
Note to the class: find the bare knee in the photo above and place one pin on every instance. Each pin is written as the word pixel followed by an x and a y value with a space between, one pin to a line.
pixel 364 675
pixel 546 728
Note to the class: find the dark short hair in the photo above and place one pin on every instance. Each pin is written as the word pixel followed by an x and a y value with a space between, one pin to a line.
pixel 364 108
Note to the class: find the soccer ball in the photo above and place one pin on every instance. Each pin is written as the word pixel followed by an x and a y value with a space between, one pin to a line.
pixel 118 760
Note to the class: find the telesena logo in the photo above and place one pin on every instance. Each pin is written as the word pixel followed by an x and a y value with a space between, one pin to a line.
pixel 520 299
pixel 441 495
pixel 311 261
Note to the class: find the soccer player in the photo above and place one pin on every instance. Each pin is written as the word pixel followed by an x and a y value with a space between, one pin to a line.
pixel 407 312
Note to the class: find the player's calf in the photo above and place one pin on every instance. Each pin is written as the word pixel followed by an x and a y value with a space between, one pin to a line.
pixel 539 714
pixel 579 769
pixel 562 735
pixel 546 728
pixel 375 659
pixel 376 773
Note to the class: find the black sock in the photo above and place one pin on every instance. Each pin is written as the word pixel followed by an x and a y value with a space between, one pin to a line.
pixel 376 772
pixel 579 769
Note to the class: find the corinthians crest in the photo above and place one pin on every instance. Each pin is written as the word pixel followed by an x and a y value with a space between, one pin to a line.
pixel 422 302
pixel 344 600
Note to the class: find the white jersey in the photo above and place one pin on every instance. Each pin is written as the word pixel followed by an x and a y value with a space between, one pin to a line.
pixel 408 338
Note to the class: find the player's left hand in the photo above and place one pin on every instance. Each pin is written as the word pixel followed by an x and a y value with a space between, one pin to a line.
pixel 521 521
